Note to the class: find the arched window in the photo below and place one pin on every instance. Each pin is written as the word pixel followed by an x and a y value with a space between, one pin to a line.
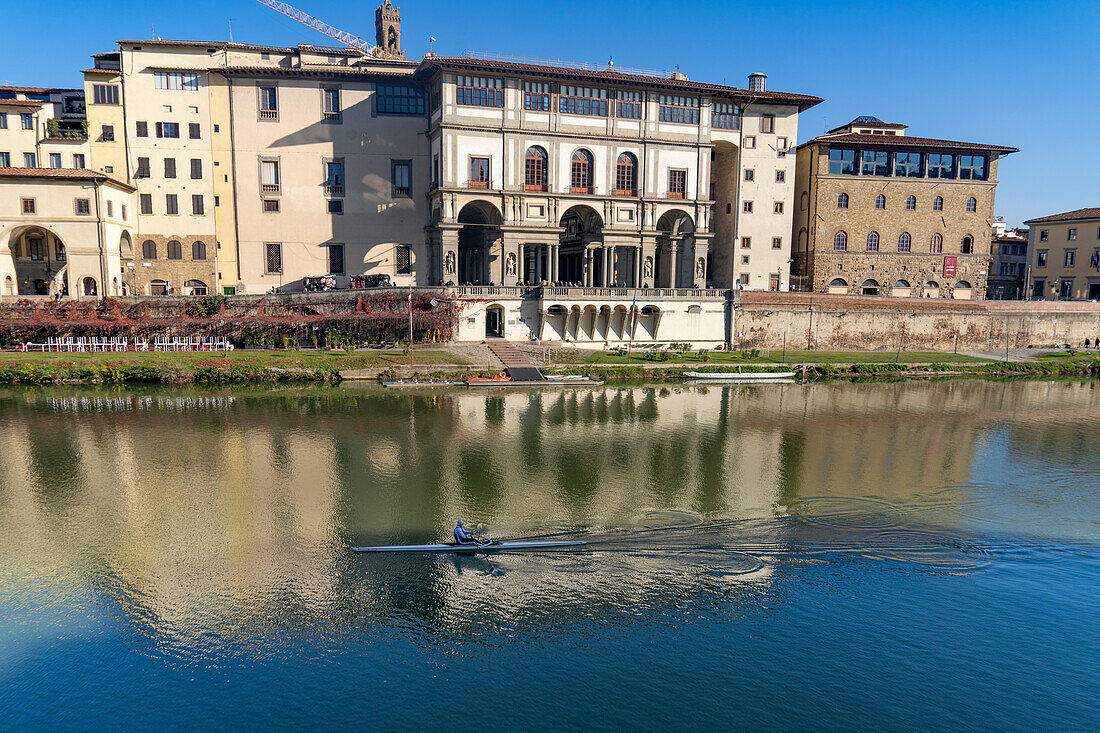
pixel 869 287
pixel 842 201
pixel 805 203
pixel 194 287
pixel 840 241
pixel 626 175
pixel 89 286
pixel 971 205
pixel 158 287
pixel 937 244
pixel 148 250
pixel 838 283
pixel 198 251
pixel 534 170
pixel 880 201
pixel 968 245
pixel 175 250
pixel 872 242
pixel 911 203
pixel 937 203
pixel 904 242
pixel 580 172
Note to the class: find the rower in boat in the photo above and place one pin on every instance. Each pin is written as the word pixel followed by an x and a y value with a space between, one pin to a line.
pixel 464 536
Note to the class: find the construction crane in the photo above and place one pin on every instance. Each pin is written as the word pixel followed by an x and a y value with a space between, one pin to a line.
pixel 348 39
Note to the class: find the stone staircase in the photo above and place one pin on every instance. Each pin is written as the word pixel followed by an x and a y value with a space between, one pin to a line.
pixel 518 366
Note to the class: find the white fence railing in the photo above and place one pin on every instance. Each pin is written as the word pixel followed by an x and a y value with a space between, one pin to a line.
pixel 73 344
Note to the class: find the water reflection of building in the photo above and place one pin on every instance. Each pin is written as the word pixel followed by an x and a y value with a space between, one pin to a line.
pixel 199 508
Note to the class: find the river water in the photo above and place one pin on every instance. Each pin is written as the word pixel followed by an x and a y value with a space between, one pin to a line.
pixel 894 556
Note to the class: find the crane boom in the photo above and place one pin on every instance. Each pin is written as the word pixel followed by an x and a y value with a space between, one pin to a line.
pixel 348 39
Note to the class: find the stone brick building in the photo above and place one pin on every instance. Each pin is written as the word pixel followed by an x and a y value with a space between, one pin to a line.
pixel 881 213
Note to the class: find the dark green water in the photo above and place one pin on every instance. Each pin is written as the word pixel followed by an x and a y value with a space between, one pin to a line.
pixel 875 556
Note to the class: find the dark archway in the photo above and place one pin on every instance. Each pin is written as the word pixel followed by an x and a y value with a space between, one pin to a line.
pixel 40 261
pixel 479 234
pixel 494 321
pixel 675 250
pixel 580 251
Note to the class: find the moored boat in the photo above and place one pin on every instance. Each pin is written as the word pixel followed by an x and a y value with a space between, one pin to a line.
pixel 733 376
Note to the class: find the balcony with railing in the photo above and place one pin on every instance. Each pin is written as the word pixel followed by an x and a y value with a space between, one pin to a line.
pixel 269 114
pixel 334 189
pixel 269 188
pixel 333 117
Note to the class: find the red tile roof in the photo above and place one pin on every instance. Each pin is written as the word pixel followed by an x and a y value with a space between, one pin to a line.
pixel 22 103
pixel 804 101
pixel 1075 215
pixel 907 141
pixel 69 174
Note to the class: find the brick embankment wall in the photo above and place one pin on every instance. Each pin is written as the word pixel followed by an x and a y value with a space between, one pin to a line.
pixel 841 322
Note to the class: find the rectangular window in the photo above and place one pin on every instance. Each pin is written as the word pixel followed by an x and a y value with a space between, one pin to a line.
pixel 334 178
pixel 1071 258
pixel 168 129
pixel 780 176
pixel 1044 235
pixel 536 96
pixel 110 209
pixel 907 165
pixel 34 249
pixel 194 131
pixel 725 116
pixel 171 204
pixel 749 142
pixel 169 167
pixel 55 160
pixel 177 81
pixel 83 207
pixel 124 213
pixel 875 163
pixel 628 105
pixel 146 203
pixel 842 161
pixel 330 105
pixel 141 128
pixel 1071 234
pixel 27 206
pixel 972 167
pixel 750 174
pixel 26 121
pixel 58 250
pixel 336 259
pixel 29 160
pixel 336 206
pixel 479 173
pixel 781 146
pixel 273 258
pixel 1041 258
pixel 746 207
pixel 435 170
pixel 398 99
pixel 941 165
pixel 142 168
pixel 197 207
pixel 269 104
pixel 767 123
pixel 777 207
pixel 3 120
pixel 479 91
pixel 78 160
pixel 746 242
pixel 5 160
pixel 402 256
pixel 196 169
pixel 401 177
pixel 271 206
pixel 677 184
pixel 744 259
pixel 684 110
pixel 582 101
pixel 107 133
pixel 777 242
pixel 104 94
pixel 269 176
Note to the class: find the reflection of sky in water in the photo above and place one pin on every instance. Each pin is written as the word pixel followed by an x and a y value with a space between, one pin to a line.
pixel 184 555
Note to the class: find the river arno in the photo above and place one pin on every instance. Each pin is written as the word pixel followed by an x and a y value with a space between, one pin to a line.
pixel 920 555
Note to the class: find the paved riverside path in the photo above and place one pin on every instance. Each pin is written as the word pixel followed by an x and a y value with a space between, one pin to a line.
pixel 518 366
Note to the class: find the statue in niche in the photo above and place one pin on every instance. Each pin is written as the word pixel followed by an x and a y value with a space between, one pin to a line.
pixel 510 265
pixel 449 263
pixel 700 268
pixel 647 267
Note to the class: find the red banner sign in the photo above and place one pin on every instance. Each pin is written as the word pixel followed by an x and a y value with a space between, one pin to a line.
pixel 950 266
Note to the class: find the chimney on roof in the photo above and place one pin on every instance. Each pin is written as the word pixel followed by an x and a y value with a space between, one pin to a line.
pixel 756 82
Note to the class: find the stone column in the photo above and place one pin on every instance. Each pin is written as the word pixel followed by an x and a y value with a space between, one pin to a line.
pixel 554 277
pixel 604 274
pixel 538 263
pixel 674 263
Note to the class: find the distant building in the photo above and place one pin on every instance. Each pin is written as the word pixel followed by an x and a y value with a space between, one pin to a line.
pixel 1065 255
pixel 883 213
pixel 1007 275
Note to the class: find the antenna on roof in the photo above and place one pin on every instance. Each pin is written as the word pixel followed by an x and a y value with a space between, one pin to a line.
pixel 231 30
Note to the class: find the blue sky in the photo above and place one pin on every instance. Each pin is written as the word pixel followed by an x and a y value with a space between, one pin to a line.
pixel 1012 73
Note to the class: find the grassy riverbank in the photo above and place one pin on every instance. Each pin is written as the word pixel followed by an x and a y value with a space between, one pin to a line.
pixel 172 367
pixel 717 358
pixel 325 366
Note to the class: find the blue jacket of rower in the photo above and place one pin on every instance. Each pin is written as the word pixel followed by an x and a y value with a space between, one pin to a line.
pixel 464 536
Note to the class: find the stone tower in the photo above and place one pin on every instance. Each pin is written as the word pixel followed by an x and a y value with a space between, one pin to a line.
pixel 387 28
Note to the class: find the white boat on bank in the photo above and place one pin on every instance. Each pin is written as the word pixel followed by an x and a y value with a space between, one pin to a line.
pixel 739 376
